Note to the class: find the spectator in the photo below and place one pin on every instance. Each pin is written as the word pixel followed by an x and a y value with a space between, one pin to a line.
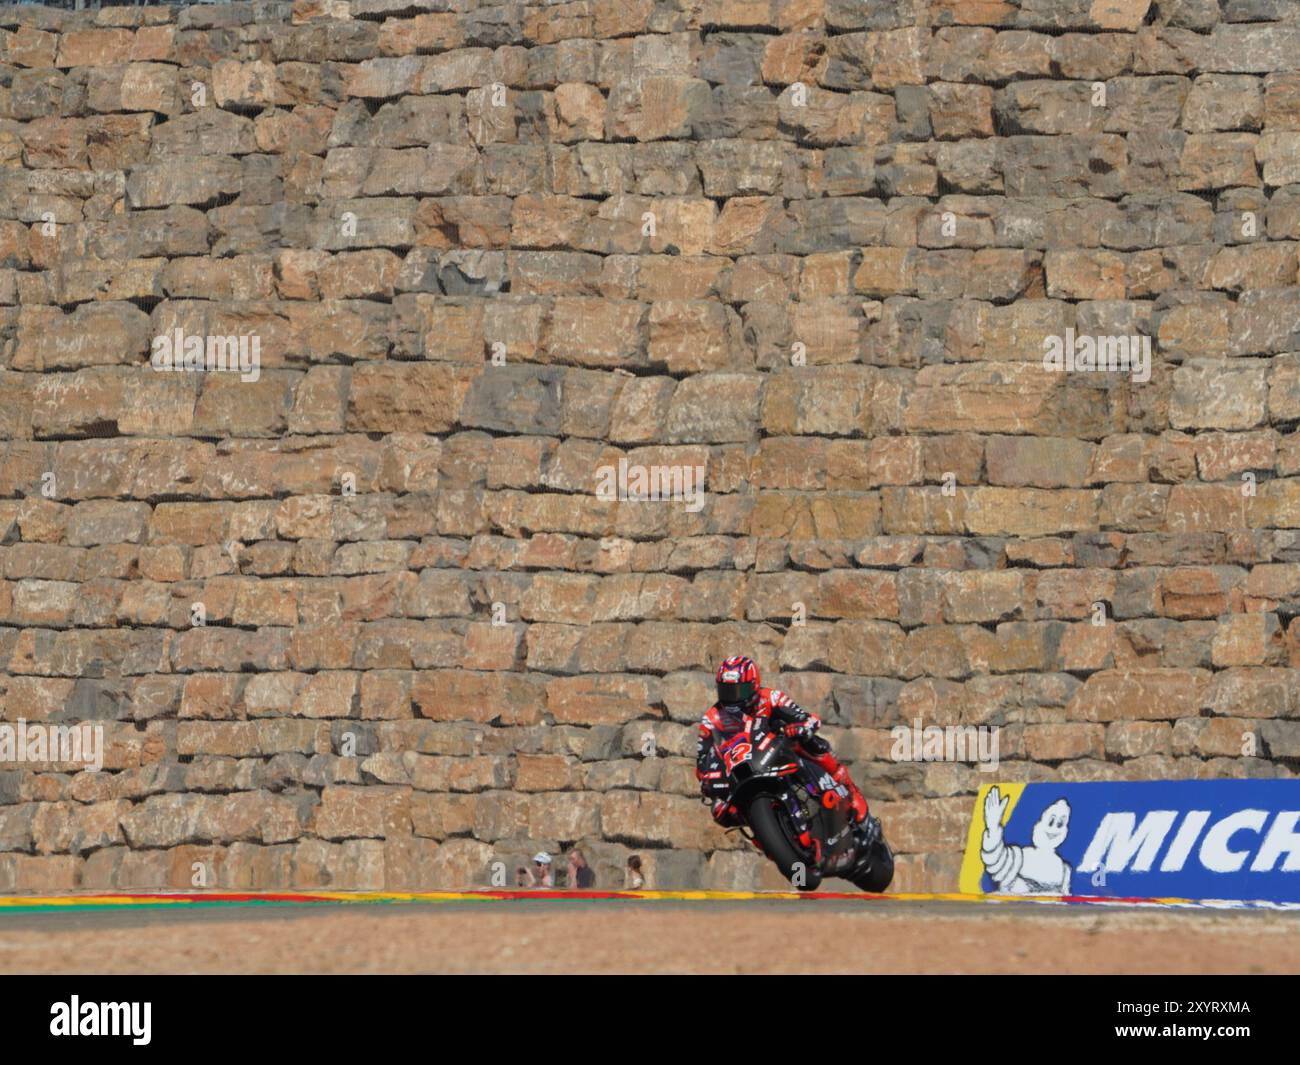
pixel 580 873
pixel 522 879
pixel 541 874
pixel 632 879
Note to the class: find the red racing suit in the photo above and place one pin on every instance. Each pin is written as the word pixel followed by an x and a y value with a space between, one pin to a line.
pixel 795 721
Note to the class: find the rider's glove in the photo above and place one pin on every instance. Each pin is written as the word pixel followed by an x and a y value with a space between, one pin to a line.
pixel 806 736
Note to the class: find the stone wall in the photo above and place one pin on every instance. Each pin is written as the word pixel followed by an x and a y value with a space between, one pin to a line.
pixel 367 620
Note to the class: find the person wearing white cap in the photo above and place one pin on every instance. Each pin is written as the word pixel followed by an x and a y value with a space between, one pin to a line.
pixel 541 871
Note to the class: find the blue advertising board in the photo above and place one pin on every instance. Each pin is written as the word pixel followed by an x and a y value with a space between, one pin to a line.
pixel 1185 839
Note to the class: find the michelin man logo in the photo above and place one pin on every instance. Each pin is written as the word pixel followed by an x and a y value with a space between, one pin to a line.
pixel 1034 870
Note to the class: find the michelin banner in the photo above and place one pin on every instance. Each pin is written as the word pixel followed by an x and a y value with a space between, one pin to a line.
pixel 1186 839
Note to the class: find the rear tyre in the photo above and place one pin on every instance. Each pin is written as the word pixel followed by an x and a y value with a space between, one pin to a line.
pixel 880 872
pixel 771 827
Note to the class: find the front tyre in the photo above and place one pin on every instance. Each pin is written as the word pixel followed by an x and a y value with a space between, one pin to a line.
pixel 771 827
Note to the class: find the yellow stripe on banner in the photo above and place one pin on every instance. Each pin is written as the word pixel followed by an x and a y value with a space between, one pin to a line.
pixel 972 869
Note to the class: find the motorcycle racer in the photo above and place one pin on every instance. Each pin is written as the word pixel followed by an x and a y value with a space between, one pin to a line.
pixel 741 697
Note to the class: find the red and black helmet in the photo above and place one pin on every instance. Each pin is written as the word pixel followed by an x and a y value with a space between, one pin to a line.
pixel 738 681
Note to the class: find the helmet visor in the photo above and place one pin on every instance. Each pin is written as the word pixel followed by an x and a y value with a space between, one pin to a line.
pixel 735 693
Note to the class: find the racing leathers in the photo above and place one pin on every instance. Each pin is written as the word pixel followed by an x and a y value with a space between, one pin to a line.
pixel 793 720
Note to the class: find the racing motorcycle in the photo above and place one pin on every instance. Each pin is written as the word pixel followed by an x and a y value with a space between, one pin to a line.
pixel 797 815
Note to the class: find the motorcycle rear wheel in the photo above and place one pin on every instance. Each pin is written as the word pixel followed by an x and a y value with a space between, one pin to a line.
pixel 880 873
pixel 774 833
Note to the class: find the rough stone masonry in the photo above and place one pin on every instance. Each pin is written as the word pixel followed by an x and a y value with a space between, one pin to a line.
pixel 362 619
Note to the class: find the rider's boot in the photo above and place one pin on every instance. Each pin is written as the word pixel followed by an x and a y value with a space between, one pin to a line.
pixel 840 775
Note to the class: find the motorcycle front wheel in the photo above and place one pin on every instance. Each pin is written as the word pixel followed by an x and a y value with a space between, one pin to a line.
pixel 774 832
